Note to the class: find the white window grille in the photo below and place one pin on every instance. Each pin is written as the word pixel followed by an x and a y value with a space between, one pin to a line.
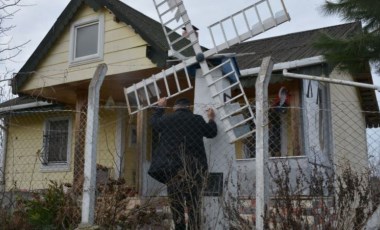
pixel 55 154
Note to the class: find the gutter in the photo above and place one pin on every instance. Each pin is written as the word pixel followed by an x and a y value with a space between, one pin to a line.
pixel 286 65
pixel 331 80
pixel 24 106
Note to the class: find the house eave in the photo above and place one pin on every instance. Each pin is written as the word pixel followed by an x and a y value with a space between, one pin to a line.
pixel 286 65
pixel 24 106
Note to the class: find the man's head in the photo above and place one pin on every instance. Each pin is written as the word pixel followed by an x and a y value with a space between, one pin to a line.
pixel 181 103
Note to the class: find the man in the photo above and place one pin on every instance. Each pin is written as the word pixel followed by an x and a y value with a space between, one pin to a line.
pixel 181 144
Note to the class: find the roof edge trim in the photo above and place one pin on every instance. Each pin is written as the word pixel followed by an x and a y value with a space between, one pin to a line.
pixel 286 65
pixel 25 106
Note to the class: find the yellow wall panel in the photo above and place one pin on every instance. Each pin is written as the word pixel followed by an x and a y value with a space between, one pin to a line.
pixel 118 34
pixel 124 51
pixel 127 43
pixel 126 55
pixel 85 11
pixel 23 163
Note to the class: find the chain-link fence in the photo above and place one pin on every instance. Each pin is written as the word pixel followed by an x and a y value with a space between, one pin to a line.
pixel 323 162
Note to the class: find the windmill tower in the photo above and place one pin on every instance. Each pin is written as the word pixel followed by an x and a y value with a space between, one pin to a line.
pixel 213 84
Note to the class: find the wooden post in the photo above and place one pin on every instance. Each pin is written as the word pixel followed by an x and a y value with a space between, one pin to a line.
pixel 120 143
pixel 141 148
pixel 89 185
pixel 262 136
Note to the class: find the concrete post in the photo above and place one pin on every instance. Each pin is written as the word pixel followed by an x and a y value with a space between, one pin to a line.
pixel 89 185
pixel 262 136
pixel 3 152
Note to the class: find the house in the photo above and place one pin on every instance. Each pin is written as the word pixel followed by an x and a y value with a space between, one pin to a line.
pixel 45 125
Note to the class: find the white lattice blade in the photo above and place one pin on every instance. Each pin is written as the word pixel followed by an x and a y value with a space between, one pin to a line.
pixel 242 129
pixel 245 30
pixel 281 16
pixel 236 117
pixel 172 3
pixel 269 23
pixel 246 135
pixel 146 93
pixel 173 17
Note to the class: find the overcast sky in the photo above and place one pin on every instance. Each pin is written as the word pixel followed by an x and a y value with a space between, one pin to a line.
pixel 33 22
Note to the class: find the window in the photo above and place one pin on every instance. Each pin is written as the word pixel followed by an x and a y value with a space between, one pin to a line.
pixel 87 39
pixel 284 125
pixel 55 153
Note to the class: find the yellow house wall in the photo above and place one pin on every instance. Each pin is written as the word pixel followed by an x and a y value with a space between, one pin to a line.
pixel 348 125
pixel 124 51
pixel 22 164
pixel 23 168
pixel 107 145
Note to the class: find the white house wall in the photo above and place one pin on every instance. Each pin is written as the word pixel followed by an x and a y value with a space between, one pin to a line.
pixel 315 122
pixel 348 125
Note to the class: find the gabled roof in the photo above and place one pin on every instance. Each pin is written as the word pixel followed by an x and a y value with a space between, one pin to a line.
pixel 290 47
pixel 149 29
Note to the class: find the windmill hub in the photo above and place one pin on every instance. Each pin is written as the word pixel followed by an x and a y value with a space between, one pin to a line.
pixel 200 57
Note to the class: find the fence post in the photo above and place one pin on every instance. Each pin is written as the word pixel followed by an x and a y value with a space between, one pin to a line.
pixel 3 152
pixel 262 136
pixel 89 184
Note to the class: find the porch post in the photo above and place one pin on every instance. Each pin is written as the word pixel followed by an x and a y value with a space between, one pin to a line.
pixel 89 185
pixel 141 128
pixel 262 136
pixel 120 143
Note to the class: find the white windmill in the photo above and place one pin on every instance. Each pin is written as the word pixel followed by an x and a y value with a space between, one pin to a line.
pixel 234 111
pixel 229 31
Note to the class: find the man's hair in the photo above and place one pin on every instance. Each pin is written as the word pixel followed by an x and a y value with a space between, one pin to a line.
pixel 183 102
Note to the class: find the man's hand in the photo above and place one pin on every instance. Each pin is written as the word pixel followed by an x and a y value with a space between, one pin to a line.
pixel 210 114
pixel 162 102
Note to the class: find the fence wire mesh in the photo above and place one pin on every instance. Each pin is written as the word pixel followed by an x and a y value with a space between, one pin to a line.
pixel 324 168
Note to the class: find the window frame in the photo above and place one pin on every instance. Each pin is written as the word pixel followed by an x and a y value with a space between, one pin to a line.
pixel 58 166
pixel 285 126
pixel 73 35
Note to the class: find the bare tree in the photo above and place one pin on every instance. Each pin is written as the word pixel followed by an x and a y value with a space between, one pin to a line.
pixel 8 9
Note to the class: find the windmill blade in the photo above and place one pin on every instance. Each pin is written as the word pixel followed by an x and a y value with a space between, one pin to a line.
pixel 247 23
pixel 173 18
pixel 168 83
pixel 176 80
pixel 236 28
pixel 234 109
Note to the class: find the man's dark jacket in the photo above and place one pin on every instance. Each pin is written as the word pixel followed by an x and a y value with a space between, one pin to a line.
pixel 181 134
